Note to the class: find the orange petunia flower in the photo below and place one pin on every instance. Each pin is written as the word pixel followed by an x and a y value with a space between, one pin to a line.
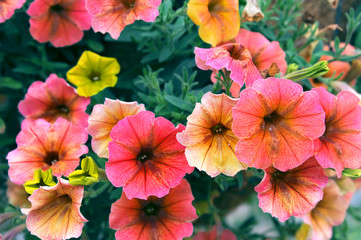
pixel 329 212
pixel 291 193
pixel 104 117
pixel 55 211
pixel 209 139
pixel 218 20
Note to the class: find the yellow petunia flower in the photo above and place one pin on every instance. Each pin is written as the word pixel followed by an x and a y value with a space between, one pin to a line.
pixel 218 20
pixel 93 73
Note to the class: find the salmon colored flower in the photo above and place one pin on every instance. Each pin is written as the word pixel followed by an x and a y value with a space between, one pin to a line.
pixel 263 54
pixel 329 212
pixel 208 138
pixel 16 195
pixel 291 193
pixel 276 123
pixel 104 117
pixel 60 22
pixel 8 7
pixel 340 145
pixel 93 73
pixel 111 16
pixel 44 145
pixel 218 20
pixel 232 57
pixel 216 234
pixel 51 100
pixel 159 218
pixel 145 150
pixel 55 211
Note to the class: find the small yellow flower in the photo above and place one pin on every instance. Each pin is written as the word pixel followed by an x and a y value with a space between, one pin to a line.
pixel 93 73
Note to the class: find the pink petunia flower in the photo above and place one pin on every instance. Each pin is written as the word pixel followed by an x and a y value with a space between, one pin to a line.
pixel 51 100
pixel 160 218
pixel 264 53
pixel 340 145
pixel 104 117
pixel 233 57
pixel 276 123
pixel 44 145
pixel 291 193
pixel 113 15
pixel 8 7
pixel 145 150
pixel 329 212
pixel 216 234
pixel 55 211
pixel 60 22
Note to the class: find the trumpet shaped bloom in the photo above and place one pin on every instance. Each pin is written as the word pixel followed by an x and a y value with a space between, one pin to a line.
pixel 340 144
pixel 145 150
pixel 113 15
pixel 55 211
pixel 216 234
pixel 44 145
pixel 233 57
pixel 209 139
pixel 291 193
pixel 162 218
pixel 329 212
pixel 93 73
pixel 218 20
pixel 8 7
pixel 104 117
pixel 276 123
pixel 60 22
pixel 52 99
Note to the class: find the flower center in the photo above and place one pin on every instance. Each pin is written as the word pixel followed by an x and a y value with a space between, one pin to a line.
pixel 94 76
pixel 151 209
pixel 213 6
pixel 219 128
pixel 51 158
pixel 144 156
pixel 57 8
pixel 236 51
pixel 272 118
pixel 62 109
pixel 129 3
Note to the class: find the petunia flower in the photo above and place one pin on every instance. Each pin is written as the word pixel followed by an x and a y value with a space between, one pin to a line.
pixel 276 123
pixel 44 145
pixel 60 22
pixel 16 195
pixel 339 146
pixel 232 57
pixel 215 234
pixel 218 20
pixel 145 150
pixel 113 15
pixel 55 212
pixel 104 117
pixel 329 212
pixel 265 56
pixel 162 218
pixel 52 99
pixel 93 73
pixel 291 193
pixel 8 7
pixel 208 137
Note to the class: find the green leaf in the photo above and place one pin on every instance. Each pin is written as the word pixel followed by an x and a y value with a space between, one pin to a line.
pixel 8 82
pixel 95 46
pixel 179 103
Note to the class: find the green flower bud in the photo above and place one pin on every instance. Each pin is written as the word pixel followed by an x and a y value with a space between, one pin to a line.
pixel 355 173
pixel 87 175
pixel 317 70
pixel 41 178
